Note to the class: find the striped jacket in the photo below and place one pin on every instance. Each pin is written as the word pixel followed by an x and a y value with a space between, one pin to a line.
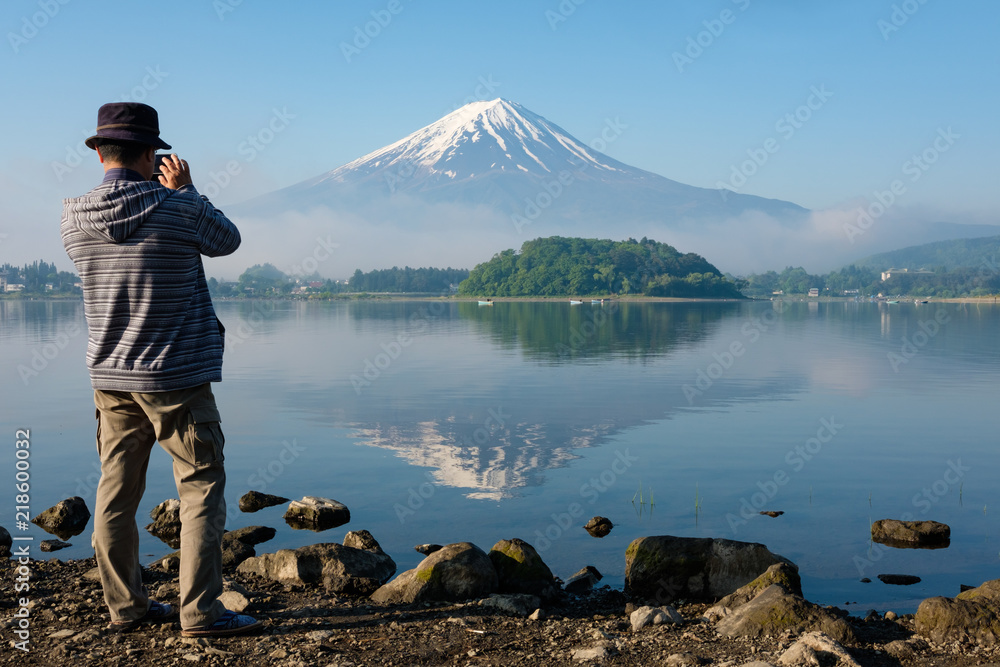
pixel 137 247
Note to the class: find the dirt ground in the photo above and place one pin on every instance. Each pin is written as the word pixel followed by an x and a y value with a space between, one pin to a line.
pixel 308 627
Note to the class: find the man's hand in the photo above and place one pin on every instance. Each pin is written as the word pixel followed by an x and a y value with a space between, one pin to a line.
pixel 176 172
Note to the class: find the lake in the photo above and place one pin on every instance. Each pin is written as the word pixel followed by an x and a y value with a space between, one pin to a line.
pixel 443 421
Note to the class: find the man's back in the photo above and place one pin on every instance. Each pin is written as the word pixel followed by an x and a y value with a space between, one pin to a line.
pixel 137 247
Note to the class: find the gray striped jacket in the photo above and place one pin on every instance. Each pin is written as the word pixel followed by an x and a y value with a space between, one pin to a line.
pixel 137 247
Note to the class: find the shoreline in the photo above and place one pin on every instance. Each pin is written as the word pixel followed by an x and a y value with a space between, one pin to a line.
pixel 305 626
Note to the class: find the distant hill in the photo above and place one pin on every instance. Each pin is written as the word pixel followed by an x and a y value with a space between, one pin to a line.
pixel 954 254
pixel 558 266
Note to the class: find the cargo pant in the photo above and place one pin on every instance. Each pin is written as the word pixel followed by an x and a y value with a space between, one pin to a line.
pixel 186 424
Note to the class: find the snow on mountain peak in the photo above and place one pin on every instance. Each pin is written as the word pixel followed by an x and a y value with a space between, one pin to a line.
pixel 479 138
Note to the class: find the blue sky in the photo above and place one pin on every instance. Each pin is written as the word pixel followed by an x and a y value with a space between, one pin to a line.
pixel 700 88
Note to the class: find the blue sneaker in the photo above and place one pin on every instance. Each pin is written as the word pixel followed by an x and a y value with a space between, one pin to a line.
pixel 230 623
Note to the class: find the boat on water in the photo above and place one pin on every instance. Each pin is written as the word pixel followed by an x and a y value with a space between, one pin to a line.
pixel 488 302
pixel 574 302
pixel 890 301
pixel 919 301
pixel 599 301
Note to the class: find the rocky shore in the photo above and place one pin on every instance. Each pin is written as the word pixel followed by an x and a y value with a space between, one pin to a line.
pixel 686 602
pixel 306 625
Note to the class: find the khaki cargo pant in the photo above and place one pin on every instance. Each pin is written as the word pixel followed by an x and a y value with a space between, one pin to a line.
pixel 186 424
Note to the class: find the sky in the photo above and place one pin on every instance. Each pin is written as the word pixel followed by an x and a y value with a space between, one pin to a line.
pixel 820 103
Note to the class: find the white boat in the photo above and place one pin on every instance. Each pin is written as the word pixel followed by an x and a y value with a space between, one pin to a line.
pixel 574 302
pixel 488 302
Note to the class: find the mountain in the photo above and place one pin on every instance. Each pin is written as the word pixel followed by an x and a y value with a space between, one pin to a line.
pixel 953 254
pixel 493 174
pixel 503 156
pixel 487 176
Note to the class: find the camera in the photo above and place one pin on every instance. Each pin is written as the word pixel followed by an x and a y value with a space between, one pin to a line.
pixel 158 166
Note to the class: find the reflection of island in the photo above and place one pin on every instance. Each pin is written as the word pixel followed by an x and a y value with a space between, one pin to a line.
pixel 556 332
pixel 509 457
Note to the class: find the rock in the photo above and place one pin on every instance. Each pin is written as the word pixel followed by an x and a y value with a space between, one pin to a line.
pixel 455 572
pixel 911 534
pixel 234 597
pixel 519 604
pixel 234 551
pixel 253 535
pixel 905 649
pixel 599 526
pixel 891 616
pixel 427 549
pixel 362 539
pixel 341 569
pixel 973 616
pixel 521 570
pixel 65 519
pixel 781 574
pixel 254 501
pixel 686 659
pixel 644 616
pixel 53 545
pixel 774 611
pixel 665 568
pixel 583 581
pixel 313 513
pixel 167 522
pixel 591 654
pixel 899 579
pixel 5 541
pixel 772 513
pixel 816 648
pixel 537 615
pixel 93 574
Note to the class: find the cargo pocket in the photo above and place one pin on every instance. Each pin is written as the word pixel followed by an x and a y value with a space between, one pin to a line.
pixel 203 439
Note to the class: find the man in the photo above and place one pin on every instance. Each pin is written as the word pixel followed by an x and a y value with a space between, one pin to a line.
pixel 154 346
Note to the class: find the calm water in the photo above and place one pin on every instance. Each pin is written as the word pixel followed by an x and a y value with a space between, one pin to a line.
pixel 444 422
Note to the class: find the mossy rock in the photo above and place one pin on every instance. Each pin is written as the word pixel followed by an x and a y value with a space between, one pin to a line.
pixel 456 572
pixel 973 616
pixel 774 612
pixel 520 569
pixel 665 568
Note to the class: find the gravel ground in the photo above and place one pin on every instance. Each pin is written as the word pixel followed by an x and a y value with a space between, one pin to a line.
pixel 308 627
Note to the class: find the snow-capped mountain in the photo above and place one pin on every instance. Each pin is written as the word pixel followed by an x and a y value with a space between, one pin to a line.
pixel 484 178
pixel 501 155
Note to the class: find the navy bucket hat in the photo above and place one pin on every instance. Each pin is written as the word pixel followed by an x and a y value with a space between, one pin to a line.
pixel 128 121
